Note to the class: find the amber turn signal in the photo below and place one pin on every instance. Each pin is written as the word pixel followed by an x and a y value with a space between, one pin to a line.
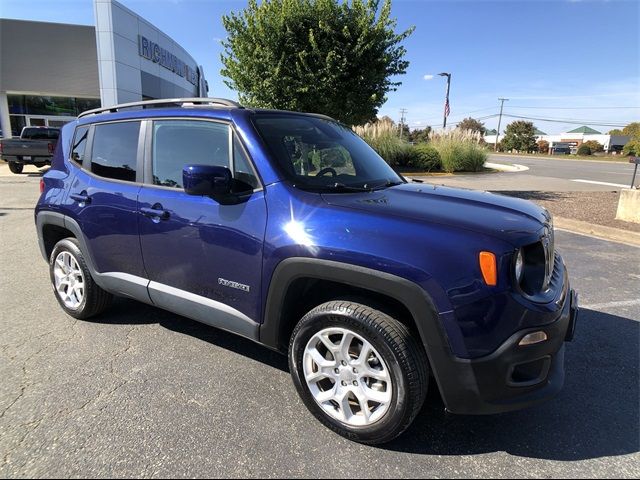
pixel 489 268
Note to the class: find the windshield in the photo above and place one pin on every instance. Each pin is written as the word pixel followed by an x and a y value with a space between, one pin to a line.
pixel 321 154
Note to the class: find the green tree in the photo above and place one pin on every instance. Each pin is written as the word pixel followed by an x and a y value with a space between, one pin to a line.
pixel 420 135
pixel 633 130
pixel 584 149
pixel 632 147
pixel 325 56
pixel 616 131
pixel 473 125
pixel 594 146
pixel 520 136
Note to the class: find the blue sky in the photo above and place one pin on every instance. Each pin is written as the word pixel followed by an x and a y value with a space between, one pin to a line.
pixel 561 59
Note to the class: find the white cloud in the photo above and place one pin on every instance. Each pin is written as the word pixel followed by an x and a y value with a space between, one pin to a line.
pixel 428 77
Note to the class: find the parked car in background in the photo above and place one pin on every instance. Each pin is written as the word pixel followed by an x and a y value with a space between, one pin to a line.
pixel 288 229
pixel 560 148
pixel 35 146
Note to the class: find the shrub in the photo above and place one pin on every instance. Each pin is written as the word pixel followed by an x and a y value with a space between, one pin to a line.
pixel 543 146
pixel 425 158
pixel 459 150
pixel 584 150
pixel 595 146
pixel 382 136
pixel 395 151
pixel 632 147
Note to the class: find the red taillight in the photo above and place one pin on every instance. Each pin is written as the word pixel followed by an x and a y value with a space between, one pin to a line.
pixel 41 185
pixel 52 147
pixel 1 147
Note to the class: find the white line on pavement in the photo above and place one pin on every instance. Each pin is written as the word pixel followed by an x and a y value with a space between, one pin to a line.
pixel 599 183
pixel 624 303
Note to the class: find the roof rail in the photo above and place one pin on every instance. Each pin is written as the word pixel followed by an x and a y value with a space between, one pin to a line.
pixel 165 101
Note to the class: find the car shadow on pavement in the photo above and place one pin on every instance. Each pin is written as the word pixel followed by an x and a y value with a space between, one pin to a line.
pixel 130 312
pixel 596 414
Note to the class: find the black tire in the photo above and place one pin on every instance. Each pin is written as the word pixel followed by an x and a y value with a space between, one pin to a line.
pixel 16 167
pixel 399 348
pixel 95 300
pixel 40 164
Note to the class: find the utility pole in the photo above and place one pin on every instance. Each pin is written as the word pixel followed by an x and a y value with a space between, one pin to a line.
pixel 402 113
pixel 502 100
pixel 447 108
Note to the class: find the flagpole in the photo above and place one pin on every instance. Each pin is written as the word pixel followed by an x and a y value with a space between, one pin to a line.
pixel 447 108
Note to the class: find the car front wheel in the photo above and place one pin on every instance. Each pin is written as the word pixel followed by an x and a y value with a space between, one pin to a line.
pixel 359 371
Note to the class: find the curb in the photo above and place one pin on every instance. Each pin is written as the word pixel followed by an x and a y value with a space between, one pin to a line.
pixel 506 167
pixel 558 157
pixel 598 231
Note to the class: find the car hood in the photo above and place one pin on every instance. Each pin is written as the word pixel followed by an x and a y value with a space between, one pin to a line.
pixel 504 217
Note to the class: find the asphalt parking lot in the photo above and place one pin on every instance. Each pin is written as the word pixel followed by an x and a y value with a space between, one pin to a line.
pixel 145 393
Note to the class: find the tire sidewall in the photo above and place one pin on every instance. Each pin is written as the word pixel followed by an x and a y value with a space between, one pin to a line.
pixel 70 245
pixel 398 410
pixel 16 167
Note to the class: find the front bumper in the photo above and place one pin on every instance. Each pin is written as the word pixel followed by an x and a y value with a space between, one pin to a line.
pixel 513 377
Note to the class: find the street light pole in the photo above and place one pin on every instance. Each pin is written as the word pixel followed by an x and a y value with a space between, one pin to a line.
pixel 502 100
pixel 447 109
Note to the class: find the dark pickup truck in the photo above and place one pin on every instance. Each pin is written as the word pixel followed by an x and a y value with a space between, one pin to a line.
pixel 34 147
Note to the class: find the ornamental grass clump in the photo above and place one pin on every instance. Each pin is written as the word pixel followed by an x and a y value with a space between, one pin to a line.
pixel 460 150
pixel 382 136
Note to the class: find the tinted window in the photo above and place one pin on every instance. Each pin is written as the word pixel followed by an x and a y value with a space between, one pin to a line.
pixel 242 165
pixel 114 152
pixel 177 143
pixel 40 133
pixel 79 144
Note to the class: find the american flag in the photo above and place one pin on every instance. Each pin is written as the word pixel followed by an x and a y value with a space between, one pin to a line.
pixel 447 110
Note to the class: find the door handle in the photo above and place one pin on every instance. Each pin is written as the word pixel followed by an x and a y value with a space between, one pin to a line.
pixel 82 198
pixel 156 212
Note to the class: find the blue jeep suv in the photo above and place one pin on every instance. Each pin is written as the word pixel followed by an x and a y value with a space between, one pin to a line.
pixel 288 229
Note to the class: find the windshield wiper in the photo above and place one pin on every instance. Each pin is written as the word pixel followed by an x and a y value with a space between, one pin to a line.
pixel 385 184
pixel 335 187
pixel 348 188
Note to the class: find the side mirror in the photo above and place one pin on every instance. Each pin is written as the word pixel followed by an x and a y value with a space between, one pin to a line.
pixel 206 180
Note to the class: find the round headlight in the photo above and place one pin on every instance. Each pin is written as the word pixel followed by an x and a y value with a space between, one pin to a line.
pixel 519 265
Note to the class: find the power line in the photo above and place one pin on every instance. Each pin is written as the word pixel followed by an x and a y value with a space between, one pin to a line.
pixel 559 120
pixel 571 108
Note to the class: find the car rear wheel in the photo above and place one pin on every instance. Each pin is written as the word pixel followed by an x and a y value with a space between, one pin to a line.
pixel 359 371
pixel 73 286
pixel 15 167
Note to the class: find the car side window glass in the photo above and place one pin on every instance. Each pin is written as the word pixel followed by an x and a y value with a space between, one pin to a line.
pixel 115 149
pixel 243 171
pixel 177 143
pixel 79 144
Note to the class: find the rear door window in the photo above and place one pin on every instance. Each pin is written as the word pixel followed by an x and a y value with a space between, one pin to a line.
pixel 115 149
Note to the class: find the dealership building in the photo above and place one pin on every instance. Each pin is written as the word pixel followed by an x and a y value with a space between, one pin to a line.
pixel 50 72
